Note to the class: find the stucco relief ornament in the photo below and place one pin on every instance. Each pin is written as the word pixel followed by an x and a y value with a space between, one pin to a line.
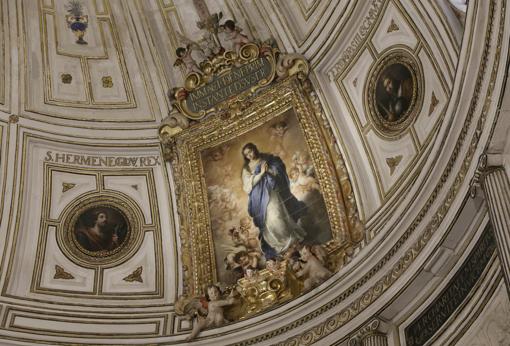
pixel 222 81
pixel 207 311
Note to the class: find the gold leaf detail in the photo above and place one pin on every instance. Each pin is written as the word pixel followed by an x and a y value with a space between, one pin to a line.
pixel 393 27
pixel 67 186
pixel 393 162
pixel 107 81
pixel 66 78
pixel 135 276
pixel 60 273
pixel 433 103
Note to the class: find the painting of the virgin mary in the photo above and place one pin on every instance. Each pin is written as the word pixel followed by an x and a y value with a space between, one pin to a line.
pixel 263 196
pixel 274 209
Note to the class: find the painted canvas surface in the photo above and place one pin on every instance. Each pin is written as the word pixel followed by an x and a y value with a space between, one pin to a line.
pixel 263 197
pixel 394 92
pixel 100 229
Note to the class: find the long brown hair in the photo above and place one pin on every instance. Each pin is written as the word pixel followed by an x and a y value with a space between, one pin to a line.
pixel 252 147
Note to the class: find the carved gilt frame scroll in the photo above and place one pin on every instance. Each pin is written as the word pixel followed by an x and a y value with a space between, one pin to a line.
pixel 294 92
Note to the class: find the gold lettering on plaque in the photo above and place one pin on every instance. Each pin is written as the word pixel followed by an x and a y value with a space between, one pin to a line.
pixel 221 88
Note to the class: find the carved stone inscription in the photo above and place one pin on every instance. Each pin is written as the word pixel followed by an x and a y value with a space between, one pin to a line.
pixel 102 161
pixel 224 86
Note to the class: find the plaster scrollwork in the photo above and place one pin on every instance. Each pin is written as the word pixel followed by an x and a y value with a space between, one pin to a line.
pixel 292 64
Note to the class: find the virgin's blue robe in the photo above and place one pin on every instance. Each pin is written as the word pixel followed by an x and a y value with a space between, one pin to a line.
pixel 276 180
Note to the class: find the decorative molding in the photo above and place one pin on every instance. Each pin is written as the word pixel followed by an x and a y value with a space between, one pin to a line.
pixel 136 275
pixel 433 103
pixel 393 27
pixel 475 182
pixel 340 318
pixel 67 186
pixel 369 335
pixel 13 119
pixel 452 297
pixel 496 188
pixel 393 162
pixel 359 39
pixel 60 273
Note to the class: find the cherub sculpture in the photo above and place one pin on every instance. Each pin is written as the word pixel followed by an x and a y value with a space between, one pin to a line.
pixel 233 35
pixel 215 316
pixel 184 54
pixel 312 266
pixel 184 58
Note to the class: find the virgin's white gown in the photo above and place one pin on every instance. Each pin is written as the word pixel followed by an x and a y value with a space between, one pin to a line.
pixel 280 229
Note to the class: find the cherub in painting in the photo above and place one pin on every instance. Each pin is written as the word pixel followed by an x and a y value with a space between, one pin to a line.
pixel 277 134
pixel 301 184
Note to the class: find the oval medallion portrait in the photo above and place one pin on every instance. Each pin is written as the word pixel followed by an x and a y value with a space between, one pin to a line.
pixel 394 92
pixel 100 229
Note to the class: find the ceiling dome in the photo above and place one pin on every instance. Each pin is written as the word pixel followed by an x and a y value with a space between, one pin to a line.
pixel 390 114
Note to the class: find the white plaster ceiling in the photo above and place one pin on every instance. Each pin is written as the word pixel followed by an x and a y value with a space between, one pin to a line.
pixel 134 43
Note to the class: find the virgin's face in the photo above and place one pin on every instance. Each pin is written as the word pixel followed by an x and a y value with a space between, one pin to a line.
pixel 249 153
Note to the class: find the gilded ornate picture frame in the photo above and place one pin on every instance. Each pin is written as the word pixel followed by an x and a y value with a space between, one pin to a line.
pixel 289 103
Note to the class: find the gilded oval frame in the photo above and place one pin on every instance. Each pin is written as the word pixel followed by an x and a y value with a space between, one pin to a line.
pixel 392 128
pixel 109 258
